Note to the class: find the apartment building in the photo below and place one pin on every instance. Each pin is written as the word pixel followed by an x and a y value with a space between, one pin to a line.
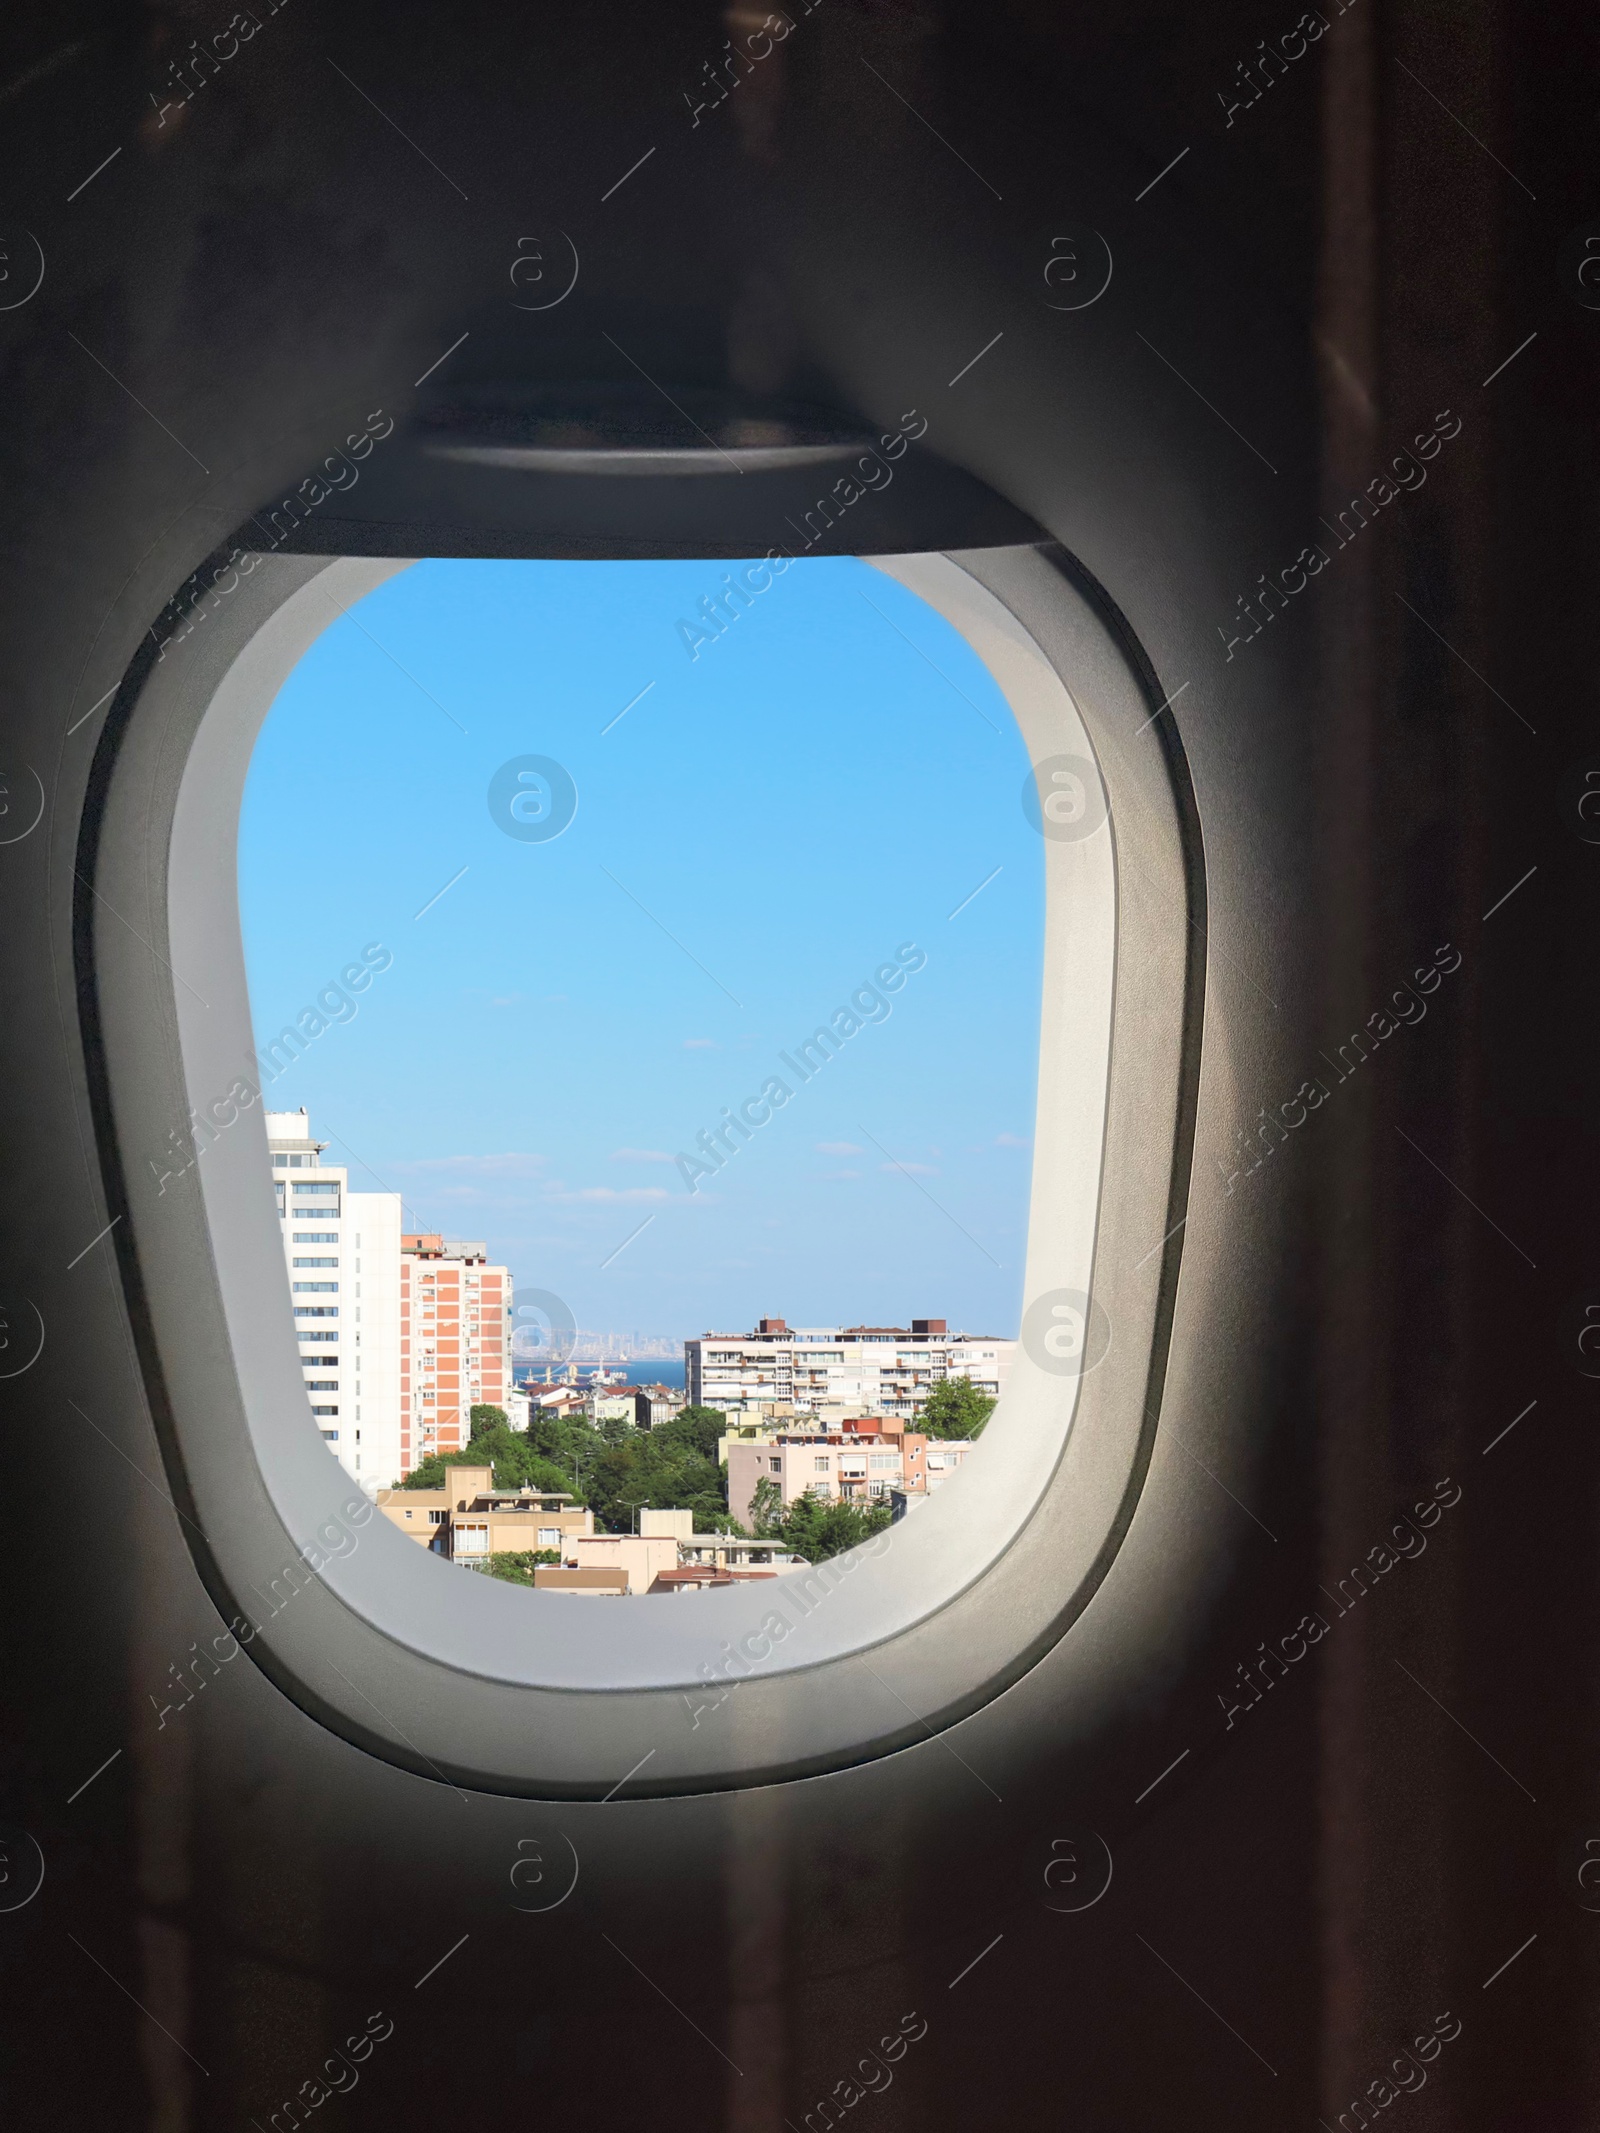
pixel 640 1557
pixel 606 1404
pixel 664 1557
pixel 720 1556
pixel 469 1519
pixel 871 1460
pixel 455 1341
pixel 655 1404
pixel 562 1401
pixel 837 1371
pixel 342 1251
pixel 641 1406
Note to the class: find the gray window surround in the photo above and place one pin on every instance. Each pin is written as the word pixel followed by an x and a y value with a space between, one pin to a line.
pixel 451 1682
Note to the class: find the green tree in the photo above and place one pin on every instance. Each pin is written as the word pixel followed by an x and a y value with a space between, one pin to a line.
pixel 817 1528
pixel 615 1469
pixel 518 1462
pixel 661 1470
pixel 430 1473
pixel 481 1416
pixel 615 1429
pixel 766 1509
pixel 701 1428
pixel 955 1408
pixel 567 1441
pixel 517 1565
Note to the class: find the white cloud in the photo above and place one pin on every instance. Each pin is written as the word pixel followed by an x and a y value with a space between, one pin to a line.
pixel 841 1173
pixel 913 1170
pixel 479 1166
pixel 641 1155
pixel 701 1044
pixel 607 1192
pixel 1010 1140
pixel 839 1148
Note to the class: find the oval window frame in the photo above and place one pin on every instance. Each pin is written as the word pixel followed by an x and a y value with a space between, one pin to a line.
pixel 159 862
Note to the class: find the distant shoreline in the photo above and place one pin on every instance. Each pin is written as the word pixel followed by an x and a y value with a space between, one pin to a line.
pixel 640 1370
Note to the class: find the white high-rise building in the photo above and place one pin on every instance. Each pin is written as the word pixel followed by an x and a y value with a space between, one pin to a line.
pixel 834 1371
pixel 342 1251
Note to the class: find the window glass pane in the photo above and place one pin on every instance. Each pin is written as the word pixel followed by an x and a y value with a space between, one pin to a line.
pixel 675 977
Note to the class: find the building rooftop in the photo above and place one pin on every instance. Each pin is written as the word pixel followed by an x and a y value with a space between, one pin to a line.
pixel 779 1329
pixel 704 1574
pixel 292 1129
pixel 429 1244
pixel 549 1499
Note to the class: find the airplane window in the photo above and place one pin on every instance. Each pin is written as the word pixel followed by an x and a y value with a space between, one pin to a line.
pixel 677 1031
pixel 646 964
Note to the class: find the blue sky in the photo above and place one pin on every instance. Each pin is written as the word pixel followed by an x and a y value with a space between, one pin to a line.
pixel 767 825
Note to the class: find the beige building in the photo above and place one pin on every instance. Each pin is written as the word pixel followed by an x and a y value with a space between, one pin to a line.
pixel 550 1577
pixel 470 1519
pixel 640 1557
pixel 729 1552
pixel 752 1433
pixel 714 1552
pixel 655 1525
pixel 606 1404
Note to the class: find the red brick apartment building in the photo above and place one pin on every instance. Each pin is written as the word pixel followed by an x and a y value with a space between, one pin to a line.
pixel 455 1341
